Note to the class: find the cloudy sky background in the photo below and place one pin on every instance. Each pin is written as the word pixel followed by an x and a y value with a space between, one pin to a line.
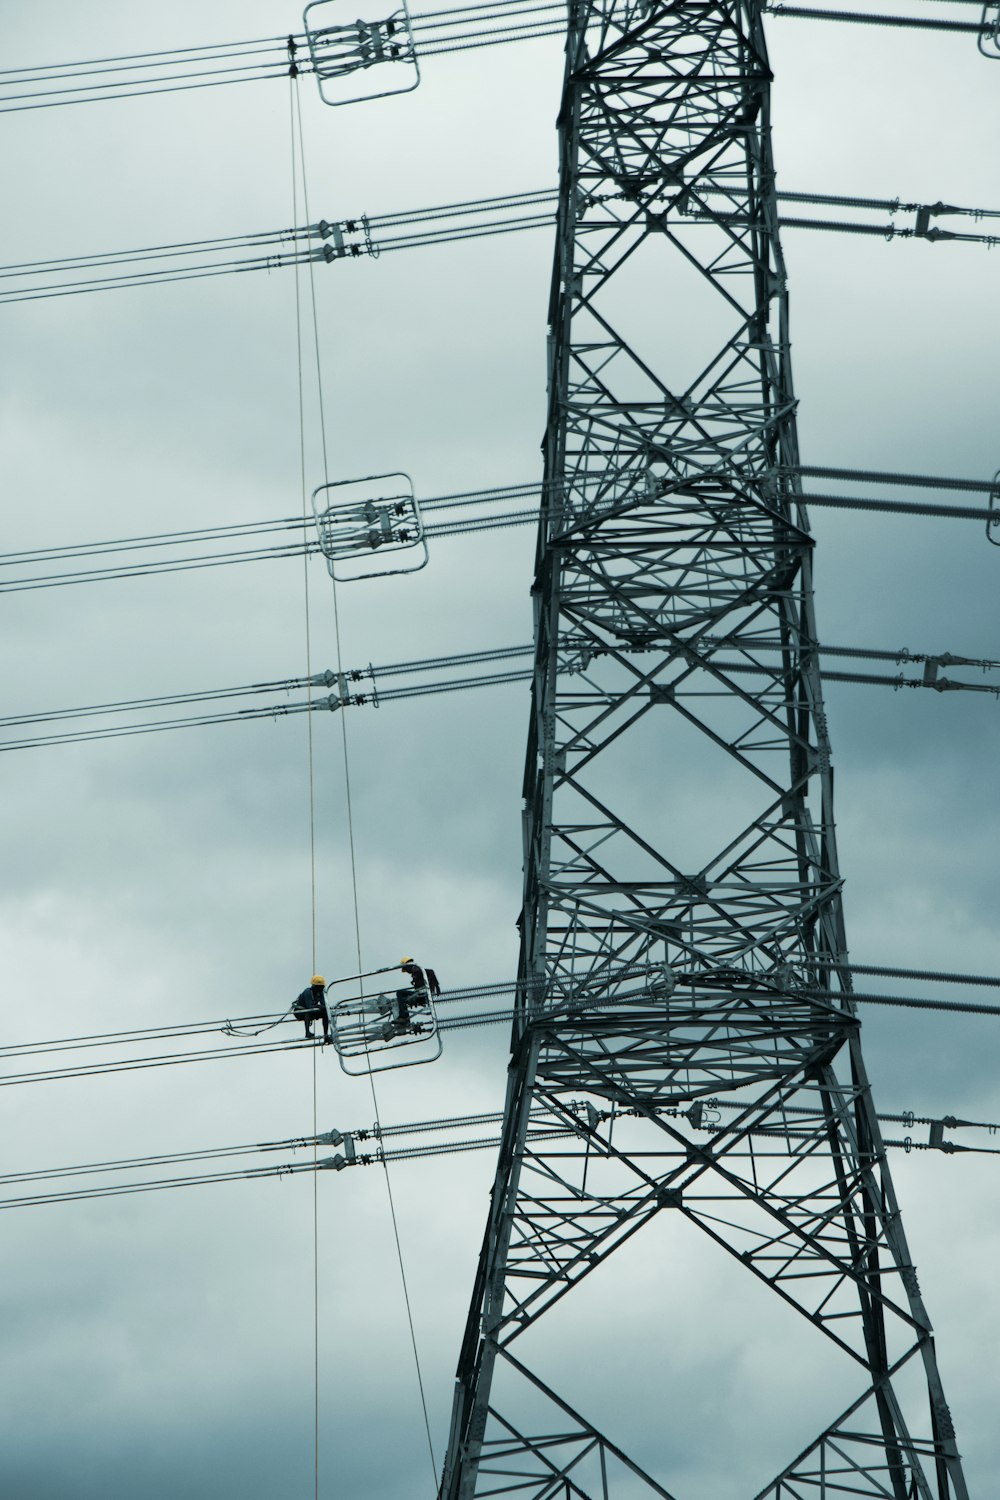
pixel 162 1345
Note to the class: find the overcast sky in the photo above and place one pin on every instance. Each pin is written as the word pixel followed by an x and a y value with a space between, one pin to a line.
pixel 161 1346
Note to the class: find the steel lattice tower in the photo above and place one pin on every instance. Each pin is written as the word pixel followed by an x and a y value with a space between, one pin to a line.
pixel 683 958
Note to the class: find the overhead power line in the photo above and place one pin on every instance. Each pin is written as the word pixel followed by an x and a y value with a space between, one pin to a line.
pixel 373 235
pixel 880 476
pixel 179 551
pixel 864 18
pixel 48 85
pixel 435 33
pixel 378 1144
pixel 458 1010
pixel 494 666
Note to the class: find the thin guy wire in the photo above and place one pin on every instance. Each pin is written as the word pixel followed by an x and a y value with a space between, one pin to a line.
pixel 312 792
pixel 315 1196
pixel 350 829
pixel 305 555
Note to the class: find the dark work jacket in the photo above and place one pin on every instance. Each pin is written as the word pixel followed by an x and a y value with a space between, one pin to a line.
pixel 310 1004
pixel 416 974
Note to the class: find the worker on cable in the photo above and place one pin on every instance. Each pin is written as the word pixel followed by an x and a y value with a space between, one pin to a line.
pixel 417 976
pixel 424 985
pixel 311 1006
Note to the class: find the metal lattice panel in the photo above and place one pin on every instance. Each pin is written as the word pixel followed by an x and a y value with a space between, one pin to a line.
pixel 673 556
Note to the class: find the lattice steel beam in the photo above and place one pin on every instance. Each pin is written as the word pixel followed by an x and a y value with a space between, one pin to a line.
pixel 674 522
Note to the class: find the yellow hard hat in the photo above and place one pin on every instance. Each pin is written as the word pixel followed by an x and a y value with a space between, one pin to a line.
pixel 406 960
pixel 318 979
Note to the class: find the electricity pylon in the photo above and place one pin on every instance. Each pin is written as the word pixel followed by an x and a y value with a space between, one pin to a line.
pixel 680 857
